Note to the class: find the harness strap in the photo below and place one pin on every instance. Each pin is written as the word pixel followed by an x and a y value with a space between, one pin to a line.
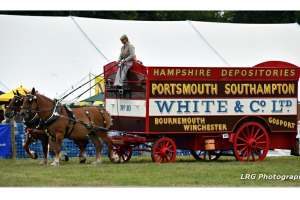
pixel 34 122
pixel 54 116
pixel 72 122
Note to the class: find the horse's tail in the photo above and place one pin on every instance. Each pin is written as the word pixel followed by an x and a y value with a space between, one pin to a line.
pixel 107 118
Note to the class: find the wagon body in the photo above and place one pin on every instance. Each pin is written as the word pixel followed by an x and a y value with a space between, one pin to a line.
pixel 203 108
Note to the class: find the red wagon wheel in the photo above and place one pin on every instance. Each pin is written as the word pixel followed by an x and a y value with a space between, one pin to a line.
pixel 120 153
pixel 251 142
pixel 206 155
pixel 164 150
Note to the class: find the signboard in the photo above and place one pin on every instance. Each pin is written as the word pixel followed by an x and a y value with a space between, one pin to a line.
pixel 5 143
pixel 213 100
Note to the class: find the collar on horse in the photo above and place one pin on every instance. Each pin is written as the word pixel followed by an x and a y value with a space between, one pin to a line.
pixel 54 114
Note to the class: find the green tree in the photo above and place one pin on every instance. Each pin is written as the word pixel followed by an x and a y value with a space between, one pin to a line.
pixel 262 17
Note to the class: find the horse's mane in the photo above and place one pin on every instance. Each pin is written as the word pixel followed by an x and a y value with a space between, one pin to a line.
pixel 43 96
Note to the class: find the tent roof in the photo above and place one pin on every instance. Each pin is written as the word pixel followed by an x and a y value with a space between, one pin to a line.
pixel 10 94
pixel 251 44
pixel 54 53
pixel 98 97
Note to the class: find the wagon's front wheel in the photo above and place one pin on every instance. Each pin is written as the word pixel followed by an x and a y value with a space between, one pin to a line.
pixel 251 142
pixel 206 155
pixel 164 150
pixel 120 153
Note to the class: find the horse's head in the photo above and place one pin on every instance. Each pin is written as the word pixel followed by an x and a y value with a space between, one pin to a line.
pixel 30 105
pixel 14 105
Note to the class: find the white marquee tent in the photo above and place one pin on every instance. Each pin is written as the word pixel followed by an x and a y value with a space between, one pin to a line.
pixel 53 53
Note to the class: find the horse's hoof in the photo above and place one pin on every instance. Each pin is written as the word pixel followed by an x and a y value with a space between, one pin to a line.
pixel 34 154
pixel 66 158
pixel 43 162
pixel 82 161
pixel 55 164
pixel 98 162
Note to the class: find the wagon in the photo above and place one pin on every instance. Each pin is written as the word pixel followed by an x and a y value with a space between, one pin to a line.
pixel 205 110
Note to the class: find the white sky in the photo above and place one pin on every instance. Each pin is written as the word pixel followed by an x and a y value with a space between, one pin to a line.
pixel 52 54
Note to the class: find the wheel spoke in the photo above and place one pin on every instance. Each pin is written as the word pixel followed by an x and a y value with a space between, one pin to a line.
pixel 242 139
pixel 241 145
pixel 243 149
pixel 167 144
pixel 157 151
pixel 248 130
pixel 252 131
pixel 243 135
pixel 171 151
pixel 259 137
pixel 170 154
pixel 258 130
pixel 168 157
pixel 245 153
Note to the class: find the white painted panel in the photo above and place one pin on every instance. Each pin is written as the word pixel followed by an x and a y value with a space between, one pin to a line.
pixel 249 106
pixel 126 107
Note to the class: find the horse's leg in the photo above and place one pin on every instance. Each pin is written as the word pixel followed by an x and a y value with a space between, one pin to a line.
pixel 105 138
pixel 98 146
pixel 45 142
pixel 82 151
pixel 28 141
pixel 57 148
pixel 81 145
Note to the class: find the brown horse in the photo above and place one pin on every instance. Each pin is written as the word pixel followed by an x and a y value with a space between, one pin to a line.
pixel 61 122
pixel 32 133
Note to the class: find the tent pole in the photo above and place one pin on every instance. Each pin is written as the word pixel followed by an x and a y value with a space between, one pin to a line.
pixel 90 83
pixel 13 138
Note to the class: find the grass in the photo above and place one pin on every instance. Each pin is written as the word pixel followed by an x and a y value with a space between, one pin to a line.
pixel 140 171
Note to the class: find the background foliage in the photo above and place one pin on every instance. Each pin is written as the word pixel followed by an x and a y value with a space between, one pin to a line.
pixel 211 16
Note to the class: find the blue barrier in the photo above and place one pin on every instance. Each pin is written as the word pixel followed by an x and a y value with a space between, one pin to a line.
pixel 5 141
pixel 69 147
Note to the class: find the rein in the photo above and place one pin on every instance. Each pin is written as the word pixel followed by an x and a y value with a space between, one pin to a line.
pixel 33 118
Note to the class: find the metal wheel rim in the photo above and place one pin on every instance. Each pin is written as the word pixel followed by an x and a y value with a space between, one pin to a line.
pixel 251 142
pixel 206 155
pixel 120 154
pixel 164 150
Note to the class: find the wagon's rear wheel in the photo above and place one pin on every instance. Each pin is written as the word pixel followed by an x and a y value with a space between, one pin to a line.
pixel 206 155
pixel 120 153
pixel 164 150
pixel 251 142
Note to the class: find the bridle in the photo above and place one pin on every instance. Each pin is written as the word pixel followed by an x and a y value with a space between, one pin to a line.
pixel 30 111
pixel 16 104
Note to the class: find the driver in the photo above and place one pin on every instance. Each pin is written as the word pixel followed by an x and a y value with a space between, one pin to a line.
pixel 125 62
